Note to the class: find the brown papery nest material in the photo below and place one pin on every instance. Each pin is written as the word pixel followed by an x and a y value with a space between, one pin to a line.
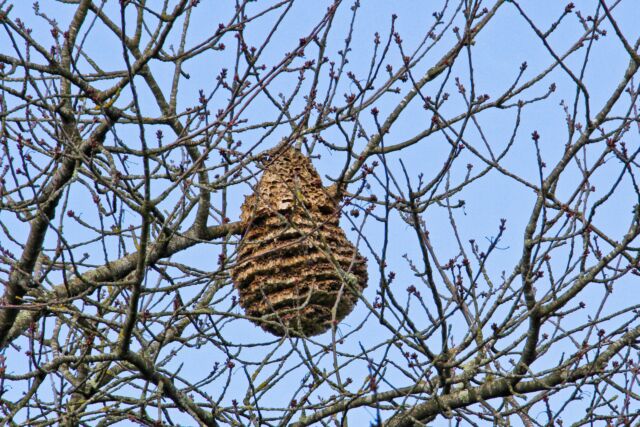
pixel 296 270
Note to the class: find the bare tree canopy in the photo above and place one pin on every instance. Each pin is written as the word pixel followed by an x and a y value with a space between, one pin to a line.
pixel 289 212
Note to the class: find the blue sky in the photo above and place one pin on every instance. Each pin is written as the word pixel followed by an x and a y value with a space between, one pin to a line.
pixel 497 56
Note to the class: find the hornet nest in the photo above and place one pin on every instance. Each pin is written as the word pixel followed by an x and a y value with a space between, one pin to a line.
pixel 296 272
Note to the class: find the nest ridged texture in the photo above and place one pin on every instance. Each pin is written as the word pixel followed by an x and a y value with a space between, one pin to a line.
pixel 296 271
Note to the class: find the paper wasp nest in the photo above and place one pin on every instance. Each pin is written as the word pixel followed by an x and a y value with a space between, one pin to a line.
pixel 294 261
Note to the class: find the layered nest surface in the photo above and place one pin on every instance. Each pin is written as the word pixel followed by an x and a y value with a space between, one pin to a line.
pixel 296 271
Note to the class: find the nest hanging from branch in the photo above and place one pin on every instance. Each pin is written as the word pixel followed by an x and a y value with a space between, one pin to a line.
pixel 296 270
